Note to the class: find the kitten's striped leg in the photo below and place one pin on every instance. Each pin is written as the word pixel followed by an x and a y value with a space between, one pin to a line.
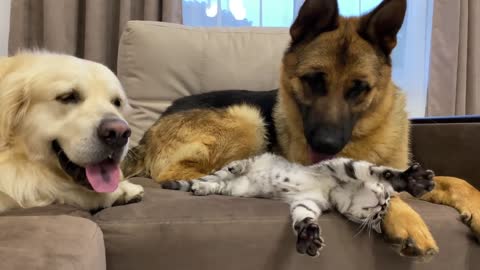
pixel 204 188
pixel 228 172
pixel 304 214
pixel 415 180
pixel 240 186
pixel 224 174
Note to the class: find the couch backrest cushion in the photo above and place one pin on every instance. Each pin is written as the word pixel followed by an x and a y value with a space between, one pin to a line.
pixel 160 62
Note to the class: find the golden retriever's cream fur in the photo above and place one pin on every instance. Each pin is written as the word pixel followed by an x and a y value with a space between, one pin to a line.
pixel 31 118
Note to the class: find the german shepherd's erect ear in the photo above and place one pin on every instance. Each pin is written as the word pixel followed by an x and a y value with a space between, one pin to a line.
pixel 314 17
pixel 380 26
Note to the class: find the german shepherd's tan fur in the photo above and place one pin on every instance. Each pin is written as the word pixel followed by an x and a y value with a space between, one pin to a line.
pixel 193 143
pixel 351 57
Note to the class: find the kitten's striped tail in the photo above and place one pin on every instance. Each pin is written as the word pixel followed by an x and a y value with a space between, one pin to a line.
pixel 182 185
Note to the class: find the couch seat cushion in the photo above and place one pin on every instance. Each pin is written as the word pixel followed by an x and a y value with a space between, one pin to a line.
pixel 50 210
pixel 50 242
pixel 175 230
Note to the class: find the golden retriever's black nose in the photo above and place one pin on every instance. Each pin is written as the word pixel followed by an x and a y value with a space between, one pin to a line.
pixel 114 132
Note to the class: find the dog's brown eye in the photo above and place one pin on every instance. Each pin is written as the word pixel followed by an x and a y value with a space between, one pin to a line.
pixel 316 82
pixel 117 102
pixel 359 87
pixel 69 98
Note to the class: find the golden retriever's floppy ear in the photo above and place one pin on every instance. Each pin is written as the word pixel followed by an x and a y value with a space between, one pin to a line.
pixel 14 103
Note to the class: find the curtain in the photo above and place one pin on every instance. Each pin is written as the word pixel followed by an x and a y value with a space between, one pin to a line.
pixel 89 29
pixel 454 84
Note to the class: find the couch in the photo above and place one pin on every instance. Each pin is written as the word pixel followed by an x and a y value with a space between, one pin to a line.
pixel 159 62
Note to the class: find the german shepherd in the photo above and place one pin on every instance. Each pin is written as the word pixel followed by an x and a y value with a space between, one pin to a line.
pixel 336 98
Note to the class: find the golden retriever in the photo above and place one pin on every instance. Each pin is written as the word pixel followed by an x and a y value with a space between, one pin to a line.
pixel 62 134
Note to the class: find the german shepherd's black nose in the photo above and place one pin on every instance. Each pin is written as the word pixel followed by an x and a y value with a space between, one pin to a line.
pixel 326 140
pixel 114 132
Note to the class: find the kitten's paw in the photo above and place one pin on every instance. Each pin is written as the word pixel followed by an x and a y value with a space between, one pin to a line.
pixel 237 167
pixel 129 193
pixel 309 240
pixel 419 180
pixel 201 188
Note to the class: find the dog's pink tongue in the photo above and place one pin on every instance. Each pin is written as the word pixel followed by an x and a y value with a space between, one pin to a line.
pixel 104 176
pixel 317 157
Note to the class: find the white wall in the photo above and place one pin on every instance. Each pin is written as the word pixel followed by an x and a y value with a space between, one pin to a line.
pixel 4 26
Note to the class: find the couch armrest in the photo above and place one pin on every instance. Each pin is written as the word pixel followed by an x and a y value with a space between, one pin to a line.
pixel 448 145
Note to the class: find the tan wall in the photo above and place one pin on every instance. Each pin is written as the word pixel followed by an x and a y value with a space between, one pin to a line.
pixel 4 26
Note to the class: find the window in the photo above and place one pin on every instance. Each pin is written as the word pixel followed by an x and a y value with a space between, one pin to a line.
pixel 410 57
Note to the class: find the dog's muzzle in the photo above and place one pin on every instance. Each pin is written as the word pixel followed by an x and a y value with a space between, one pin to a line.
pixel 113 132
pixel 103 173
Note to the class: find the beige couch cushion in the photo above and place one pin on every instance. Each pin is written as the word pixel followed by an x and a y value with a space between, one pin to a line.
pixel 159 62
pixel 50 242
pixel 175 230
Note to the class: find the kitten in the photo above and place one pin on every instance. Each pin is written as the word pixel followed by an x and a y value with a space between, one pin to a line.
pixel 358 190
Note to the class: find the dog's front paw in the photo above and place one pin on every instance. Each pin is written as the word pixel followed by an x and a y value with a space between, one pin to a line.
pixel 129 193
pixel 418 180
pixel 406 230
pixel 472 219
pixel 461 195
pixel 469 209
pixel 309 240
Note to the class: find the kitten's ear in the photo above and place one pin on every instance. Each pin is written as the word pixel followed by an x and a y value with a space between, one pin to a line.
pixel 314 18
pixel 380 26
